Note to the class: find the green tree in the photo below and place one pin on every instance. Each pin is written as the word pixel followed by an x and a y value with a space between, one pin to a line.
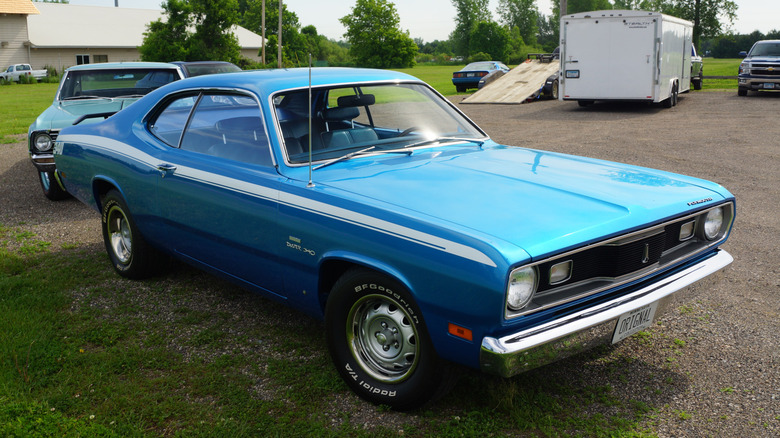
pixel 375 38
pixel 521 14
pixel 491 38
pixel 213 39
pixel 167 40
pixel 468 14
pixel 710 17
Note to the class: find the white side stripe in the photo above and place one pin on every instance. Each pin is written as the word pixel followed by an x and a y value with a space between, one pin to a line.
pixel 287 199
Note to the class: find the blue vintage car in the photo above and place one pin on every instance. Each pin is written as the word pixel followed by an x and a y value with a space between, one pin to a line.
pixel 90 89
pixel 471 75
pixel 365 198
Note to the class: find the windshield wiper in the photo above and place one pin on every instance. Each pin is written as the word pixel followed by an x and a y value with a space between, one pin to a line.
pixel 129 96
pixel 362 152
pixel 443 139
pixel 345 157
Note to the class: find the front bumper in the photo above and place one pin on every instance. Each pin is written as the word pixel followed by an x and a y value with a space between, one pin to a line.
pixel 758 83
pixel 43 162
pixel 570 335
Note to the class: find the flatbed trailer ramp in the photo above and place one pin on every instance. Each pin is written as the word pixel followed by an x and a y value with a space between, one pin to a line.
pixel 517 85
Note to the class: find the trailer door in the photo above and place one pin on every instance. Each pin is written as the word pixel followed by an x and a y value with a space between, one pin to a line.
pixel 610 58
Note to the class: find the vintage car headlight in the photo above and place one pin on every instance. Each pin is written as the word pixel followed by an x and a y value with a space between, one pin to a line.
pixel 43 142
pixel 713 223
pixel 521 287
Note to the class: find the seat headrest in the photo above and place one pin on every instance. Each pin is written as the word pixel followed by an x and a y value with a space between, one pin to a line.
pixel 239 124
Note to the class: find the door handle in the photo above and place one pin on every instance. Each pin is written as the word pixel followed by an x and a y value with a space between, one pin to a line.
pixel 165 168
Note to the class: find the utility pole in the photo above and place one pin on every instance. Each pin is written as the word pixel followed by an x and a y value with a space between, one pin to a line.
pixel 564 5
pixel 279 35
pixel 263 31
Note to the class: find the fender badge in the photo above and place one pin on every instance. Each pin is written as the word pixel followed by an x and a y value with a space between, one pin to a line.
pixel 700 201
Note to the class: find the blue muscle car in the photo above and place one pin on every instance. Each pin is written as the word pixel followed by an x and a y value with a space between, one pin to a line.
pixel 365 198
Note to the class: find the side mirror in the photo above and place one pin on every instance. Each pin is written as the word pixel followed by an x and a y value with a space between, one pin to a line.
pixel 743 54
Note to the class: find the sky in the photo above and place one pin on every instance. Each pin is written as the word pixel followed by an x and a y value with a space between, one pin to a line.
pixel 433 19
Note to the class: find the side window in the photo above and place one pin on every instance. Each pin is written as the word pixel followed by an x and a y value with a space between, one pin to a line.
pixel 170 123
pixel 228 126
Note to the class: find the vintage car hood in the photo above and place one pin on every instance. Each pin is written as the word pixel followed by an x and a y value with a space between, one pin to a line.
pixel 62 114
pixel 535 200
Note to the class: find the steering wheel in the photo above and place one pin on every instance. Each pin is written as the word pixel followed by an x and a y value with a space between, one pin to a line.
pixel 408 131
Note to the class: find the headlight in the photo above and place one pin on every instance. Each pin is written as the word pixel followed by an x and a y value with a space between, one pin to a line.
pixel 713 222
pixel 521 288
pixel 43 142
pixel 744 68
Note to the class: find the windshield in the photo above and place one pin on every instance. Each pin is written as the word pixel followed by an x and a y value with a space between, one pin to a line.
pixel 380 117
pixel 114 83
pixel 766 49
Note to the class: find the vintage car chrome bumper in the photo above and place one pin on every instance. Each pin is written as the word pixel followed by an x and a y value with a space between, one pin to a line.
pixel 561 338
pixel 43 162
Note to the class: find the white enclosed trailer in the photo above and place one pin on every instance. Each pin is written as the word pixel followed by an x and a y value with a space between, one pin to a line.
pixel 624 55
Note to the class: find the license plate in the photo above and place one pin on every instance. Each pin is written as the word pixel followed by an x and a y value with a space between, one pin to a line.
pixel 769 85
pixel 634 321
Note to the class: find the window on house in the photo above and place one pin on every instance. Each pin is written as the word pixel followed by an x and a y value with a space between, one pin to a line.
pixel 99 58
pixel 82 59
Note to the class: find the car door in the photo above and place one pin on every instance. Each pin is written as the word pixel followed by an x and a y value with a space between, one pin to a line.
pixel 218 188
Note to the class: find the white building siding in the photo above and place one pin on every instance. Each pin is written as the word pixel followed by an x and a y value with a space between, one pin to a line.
pixel 13 35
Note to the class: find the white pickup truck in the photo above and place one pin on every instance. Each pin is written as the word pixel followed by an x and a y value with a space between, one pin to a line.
pixel 13 72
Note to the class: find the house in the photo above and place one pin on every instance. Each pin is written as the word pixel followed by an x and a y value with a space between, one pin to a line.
pixel 14 40
pixel 62 35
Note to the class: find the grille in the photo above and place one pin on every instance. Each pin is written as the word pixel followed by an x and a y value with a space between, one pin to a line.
pixel 765 69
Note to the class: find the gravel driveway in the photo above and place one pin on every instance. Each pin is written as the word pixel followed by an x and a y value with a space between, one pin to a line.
pixel 726 379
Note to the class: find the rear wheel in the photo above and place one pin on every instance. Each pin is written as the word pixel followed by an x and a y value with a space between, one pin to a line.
pixel 554 90
pixel 129 253
pixel 697 84
pixel 379 344
pixel 51 186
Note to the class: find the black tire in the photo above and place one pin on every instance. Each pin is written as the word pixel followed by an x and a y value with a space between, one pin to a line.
pixel 697 84
pixel 554 90
pixel 672 99
pixel 379 344
pixel 129 253
pixel 51 186
pixel 460 89
pixel 742 91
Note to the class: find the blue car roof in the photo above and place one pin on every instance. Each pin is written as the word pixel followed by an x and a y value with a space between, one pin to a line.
pixel 266 82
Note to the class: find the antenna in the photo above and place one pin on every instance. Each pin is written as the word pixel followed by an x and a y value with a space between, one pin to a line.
pixel 310 184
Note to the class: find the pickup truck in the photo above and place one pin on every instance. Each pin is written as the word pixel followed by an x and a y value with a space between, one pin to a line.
pixel 13 72
pixel 760 70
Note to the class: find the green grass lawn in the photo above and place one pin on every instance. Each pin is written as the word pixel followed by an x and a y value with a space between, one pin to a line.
pixel 20 104
pixel 720 67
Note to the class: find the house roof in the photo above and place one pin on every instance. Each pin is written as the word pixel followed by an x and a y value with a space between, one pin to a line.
pixel 18 7
pixel 66 25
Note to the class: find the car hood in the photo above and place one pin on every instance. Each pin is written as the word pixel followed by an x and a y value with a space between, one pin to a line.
pixel 763 59
pixel 64 113
pixel 534 200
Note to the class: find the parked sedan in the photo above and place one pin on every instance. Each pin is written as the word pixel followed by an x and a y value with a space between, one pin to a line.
pixel 91 89
pixel 366 199
pixel 470 75
pixel 199 68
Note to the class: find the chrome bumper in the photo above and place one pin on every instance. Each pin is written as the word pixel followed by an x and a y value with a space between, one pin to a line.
pixel 561 338
pixel 44 162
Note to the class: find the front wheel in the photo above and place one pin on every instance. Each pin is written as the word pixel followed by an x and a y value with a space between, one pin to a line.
pixel 51 186
pixel 129 253
pixel 379 344
pixel 742 91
